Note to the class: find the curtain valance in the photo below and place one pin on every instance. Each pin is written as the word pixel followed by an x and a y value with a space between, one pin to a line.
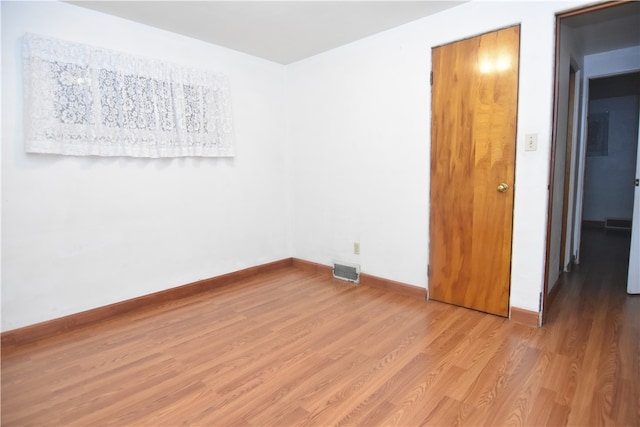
pixel 83 100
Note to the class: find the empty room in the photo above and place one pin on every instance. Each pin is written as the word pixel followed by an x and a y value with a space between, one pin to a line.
pixel 287 213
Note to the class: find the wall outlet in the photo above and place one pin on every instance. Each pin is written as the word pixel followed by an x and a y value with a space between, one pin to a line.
pixel 356 248
pixel 531 142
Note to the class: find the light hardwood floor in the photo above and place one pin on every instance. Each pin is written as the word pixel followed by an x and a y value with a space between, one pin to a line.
pixel 294 348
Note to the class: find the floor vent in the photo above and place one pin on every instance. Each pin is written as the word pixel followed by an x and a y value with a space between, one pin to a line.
pixel 617 223
pixel 348 272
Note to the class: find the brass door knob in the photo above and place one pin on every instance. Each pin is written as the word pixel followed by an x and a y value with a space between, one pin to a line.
pixel 503 187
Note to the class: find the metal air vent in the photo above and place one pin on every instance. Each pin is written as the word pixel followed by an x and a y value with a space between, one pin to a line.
pixel 348 272
pixel 617 223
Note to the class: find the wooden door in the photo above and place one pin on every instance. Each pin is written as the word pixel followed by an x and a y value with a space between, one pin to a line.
pixel 473 138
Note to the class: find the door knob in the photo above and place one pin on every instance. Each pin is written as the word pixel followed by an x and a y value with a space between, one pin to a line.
pixel 503 187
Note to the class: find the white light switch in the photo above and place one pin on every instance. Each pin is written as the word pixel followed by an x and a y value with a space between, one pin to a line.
pixel 531 142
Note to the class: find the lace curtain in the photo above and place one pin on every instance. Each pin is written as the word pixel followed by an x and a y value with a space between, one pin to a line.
pixel 81 100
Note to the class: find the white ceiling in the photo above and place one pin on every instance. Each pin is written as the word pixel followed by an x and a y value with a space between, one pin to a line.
pixel 288 31
pixel 606 29
pixel 280 31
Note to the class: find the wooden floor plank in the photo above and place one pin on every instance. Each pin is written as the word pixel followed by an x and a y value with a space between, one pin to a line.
pixel 295 347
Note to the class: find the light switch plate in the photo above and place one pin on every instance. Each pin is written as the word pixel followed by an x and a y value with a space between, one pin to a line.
pixel 531 142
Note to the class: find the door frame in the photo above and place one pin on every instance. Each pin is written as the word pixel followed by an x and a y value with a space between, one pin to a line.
pixel 545 299
pixel 567 224
pixel 633 275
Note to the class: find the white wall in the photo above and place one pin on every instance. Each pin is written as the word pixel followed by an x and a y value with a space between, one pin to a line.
pixel 608 184
pixel 78 233
pixel 353 124
pixel 360 134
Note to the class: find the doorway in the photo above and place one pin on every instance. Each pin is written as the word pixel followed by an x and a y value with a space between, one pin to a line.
pixel 598 41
